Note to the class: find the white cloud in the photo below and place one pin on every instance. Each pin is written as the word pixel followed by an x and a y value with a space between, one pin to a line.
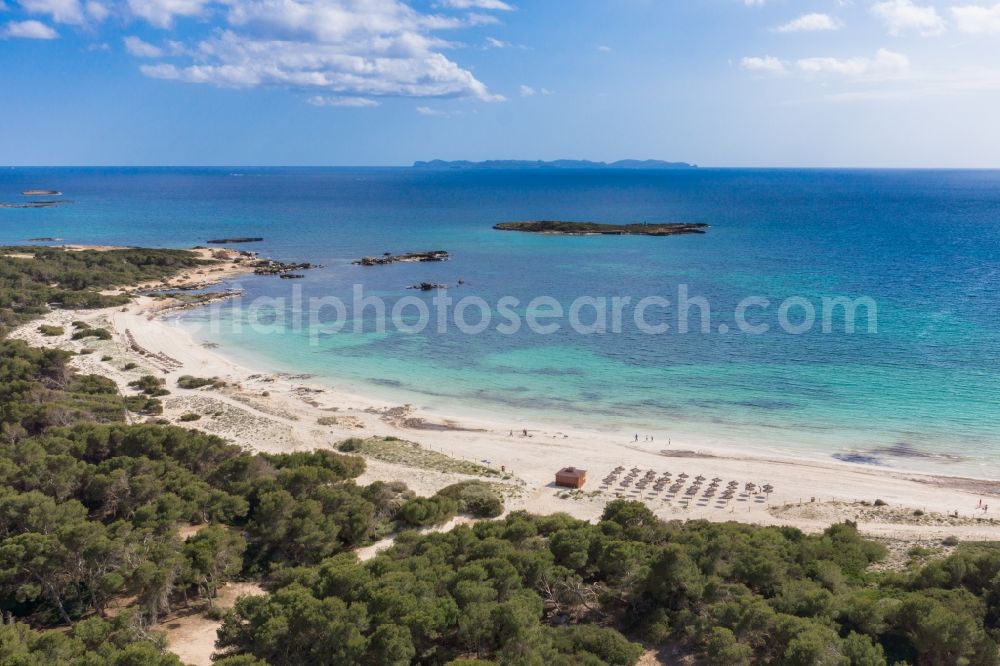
pixel 369 67
pixel 161 13
pixel 604 49
pixel 340 48
pixel 976 19
pixel 753 3
pixel 142 49
pixel 161 71
pixel 809 23
pixel 902 16
pixel 61 11
pixel 29 30
pixel 320 100
pixel 527 91
pixel 762 64
pixel 885 64
pixel 344 50
pixel 496 5
pixel 428 111
pixel 97 10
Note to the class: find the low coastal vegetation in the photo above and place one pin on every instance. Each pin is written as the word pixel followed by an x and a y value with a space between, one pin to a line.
pixel 411 454
pixel 556 590
pixel 88 332
pixel 150 386
pixel 92 557
pixel 192 382
pixel 34 277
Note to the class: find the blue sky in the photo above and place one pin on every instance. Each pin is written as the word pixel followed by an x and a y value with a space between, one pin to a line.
pixel 910 83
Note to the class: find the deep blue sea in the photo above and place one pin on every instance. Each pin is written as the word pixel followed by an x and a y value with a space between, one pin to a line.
pixel 923 390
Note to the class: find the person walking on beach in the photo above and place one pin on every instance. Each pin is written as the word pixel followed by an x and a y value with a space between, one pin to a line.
pixel 637 437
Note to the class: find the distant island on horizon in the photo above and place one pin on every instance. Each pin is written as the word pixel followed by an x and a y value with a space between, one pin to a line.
pixel 552 164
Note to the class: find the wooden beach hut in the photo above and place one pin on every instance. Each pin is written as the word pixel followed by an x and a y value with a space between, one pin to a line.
pixel 571 477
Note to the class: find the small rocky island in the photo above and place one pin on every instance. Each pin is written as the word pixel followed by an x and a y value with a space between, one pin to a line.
pixel 237 239
pixel 280 268
pixel 409 257
pixel 561 228
pixel 33 204
pixel 41 193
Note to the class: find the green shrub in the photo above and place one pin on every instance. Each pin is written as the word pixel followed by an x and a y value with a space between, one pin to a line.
pixel 149 385
pixel 141 404
pixel 426 511
pixel 99 333
pixel 51 331
pixel 130 366
pixel 189 416
pixel 351 445
pixel 191 382
pixel 476 498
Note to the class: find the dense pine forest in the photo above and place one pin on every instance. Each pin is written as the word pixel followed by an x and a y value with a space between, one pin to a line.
pixel 92 557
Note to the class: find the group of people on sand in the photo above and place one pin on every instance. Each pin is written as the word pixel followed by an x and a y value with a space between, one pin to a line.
pixel 648 438
pixel 982 506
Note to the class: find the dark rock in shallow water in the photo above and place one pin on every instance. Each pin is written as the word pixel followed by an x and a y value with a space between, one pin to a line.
pixel 41 193
pixel 860 458
pixel 561 228
pixel 427 286
pixel 273 267
pixel 237 239
pixel 291 276
pixel 409 257
pixel 905 450
pixel 44 239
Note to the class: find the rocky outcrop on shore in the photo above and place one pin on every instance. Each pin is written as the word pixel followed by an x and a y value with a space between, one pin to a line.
pixel 274 267
pixel 409 257
pixel 562 228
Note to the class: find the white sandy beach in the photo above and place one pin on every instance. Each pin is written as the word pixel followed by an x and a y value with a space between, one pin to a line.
pixel 263 410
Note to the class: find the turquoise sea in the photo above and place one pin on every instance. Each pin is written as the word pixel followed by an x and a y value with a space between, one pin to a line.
pixel 922 391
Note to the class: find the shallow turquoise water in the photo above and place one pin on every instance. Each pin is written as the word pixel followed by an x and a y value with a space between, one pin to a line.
pixel 925 246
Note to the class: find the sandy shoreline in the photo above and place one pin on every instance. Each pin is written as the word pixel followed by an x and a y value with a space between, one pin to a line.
pixel 263 410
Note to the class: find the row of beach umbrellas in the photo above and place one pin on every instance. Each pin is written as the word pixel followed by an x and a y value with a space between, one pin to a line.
pixel 660 484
